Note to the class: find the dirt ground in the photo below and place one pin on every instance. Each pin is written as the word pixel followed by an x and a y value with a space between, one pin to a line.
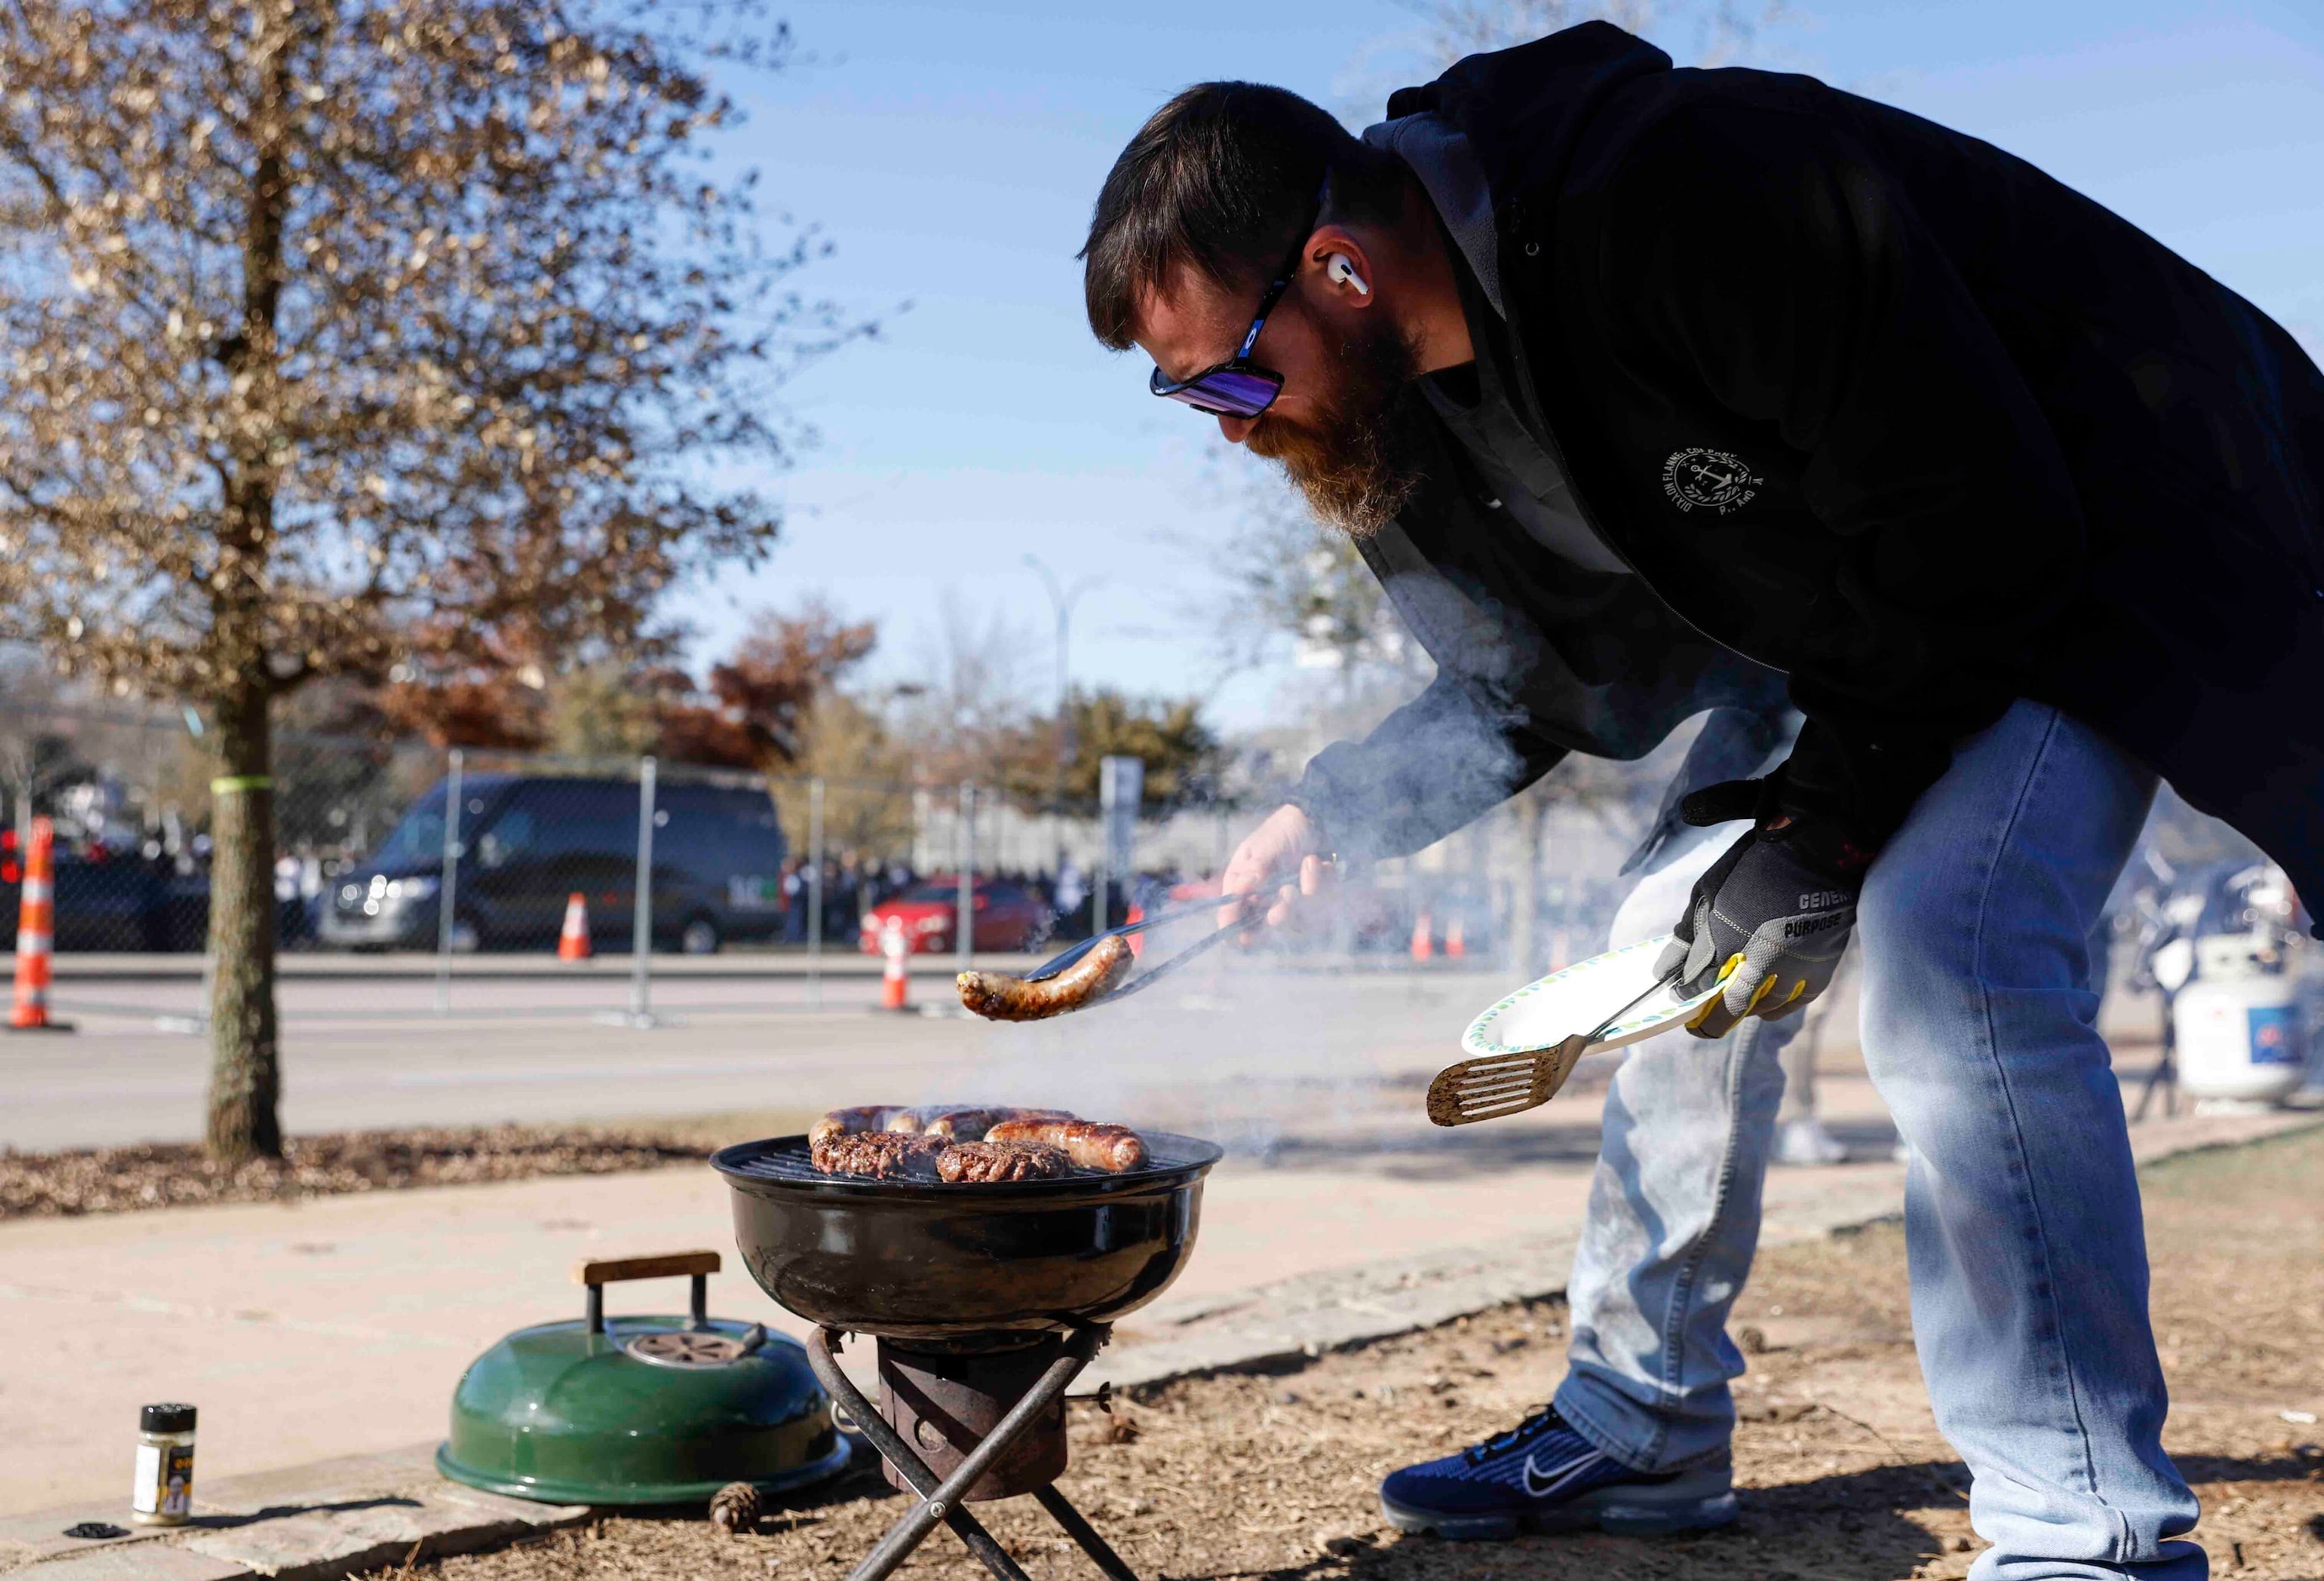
pixel 1845 1477
pixel 125 1180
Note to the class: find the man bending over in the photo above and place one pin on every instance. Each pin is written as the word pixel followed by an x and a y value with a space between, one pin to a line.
pixel 1649 392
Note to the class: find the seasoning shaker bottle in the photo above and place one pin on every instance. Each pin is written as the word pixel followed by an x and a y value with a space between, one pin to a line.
pixel 164 1491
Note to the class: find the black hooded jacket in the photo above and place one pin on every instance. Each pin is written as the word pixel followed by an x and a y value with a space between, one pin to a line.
pixel 1913 426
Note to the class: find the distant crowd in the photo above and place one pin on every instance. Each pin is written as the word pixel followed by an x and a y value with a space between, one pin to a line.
pixel 854 885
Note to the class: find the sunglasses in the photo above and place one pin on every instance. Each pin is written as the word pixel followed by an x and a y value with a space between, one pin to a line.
pixel 1238 387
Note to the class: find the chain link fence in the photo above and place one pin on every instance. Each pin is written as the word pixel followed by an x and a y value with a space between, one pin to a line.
pixel 397 861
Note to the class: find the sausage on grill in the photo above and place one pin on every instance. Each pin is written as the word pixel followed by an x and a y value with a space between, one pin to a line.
pixel 1088 1142
pixel 998 996
pixel 870 1116
pixel 966 1123
pixel 974 1163
pixel 881 1154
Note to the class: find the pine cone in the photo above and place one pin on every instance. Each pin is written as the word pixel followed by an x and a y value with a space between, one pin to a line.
pixel 736 1508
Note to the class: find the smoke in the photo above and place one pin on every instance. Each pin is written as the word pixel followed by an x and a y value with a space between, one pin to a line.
pixel 1320 1039
pixel 1242 1048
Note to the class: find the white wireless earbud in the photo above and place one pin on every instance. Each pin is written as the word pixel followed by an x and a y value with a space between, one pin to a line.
pixel 1337 268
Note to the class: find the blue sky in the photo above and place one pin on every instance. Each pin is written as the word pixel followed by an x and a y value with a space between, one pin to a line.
pixel 951 151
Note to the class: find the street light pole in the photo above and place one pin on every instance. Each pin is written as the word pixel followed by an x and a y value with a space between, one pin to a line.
pixel 1062 599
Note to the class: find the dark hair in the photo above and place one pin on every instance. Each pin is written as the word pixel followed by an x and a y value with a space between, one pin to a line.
pixel 1218 178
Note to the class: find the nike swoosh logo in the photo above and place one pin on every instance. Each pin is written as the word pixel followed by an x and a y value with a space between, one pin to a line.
pixel 1540 1483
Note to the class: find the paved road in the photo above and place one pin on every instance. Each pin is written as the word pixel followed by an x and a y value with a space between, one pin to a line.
pixel 373 1052
pixel 81 967
pixel 1248 1052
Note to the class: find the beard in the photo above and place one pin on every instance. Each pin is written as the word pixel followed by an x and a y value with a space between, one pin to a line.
pixel 1356 460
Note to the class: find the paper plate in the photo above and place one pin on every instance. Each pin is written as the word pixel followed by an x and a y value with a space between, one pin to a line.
pixel 1543 1014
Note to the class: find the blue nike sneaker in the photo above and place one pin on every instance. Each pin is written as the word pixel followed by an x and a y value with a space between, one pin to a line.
pixel 1545 1476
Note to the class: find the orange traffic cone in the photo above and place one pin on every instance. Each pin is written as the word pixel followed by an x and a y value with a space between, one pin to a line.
pixel 896 977
pixel 573 944
pixel 36 929
pixel 1424 939
pixel 1456 939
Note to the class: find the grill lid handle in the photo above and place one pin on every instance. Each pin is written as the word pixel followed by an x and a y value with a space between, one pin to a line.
pixel 597 1272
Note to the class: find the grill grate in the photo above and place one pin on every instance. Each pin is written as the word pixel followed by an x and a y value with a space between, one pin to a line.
pixel 786 1160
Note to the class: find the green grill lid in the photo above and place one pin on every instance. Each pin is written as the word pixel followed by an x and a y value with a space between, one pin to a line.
pixel 643 1410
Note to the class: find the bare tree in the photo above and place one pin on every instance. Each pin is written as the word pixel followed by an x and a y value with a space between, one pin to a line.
pixel 1720 31
pixel 968 720
pixel 331 330
pixel 867 805
pixel 783 670
pixel 1301 587
pixel 28 695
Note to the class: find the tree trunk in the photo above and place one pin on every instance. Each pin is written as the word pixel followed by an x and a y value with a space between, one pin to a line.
pixel 245 1076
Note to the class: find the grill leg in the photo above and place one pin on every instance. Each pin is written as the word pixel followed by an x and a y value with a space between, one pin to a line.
pixel 940 1501
pixel 890 1553
pixel 1100 1551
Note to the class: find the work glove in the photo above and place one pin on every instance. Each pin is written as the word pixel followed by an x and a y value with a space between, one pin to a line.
pixel 1768 921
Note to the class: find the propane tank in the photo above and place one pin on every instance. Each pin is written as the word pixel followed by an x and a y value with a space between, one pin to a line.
pixel 2238 1023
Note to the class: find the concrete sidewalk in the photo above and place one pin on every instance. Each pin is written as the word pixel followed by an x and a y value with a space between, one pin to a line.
pixel 339 1325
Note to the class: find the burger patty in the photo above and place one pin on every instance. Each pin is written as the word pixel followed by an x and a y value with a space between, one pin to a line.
pixel 976 1163
pixel 880 1154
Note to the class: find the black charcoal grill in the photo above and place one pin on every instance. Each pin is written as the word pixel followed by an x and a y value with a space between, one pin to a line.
pixel 986 1301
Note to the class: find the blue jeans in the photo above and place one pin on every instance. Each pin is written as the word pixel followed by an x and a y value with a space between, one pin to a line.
pixel 2021 1204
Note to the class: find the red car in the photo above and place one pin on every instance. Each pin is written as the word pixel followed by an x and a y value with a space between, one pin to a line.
pixel 1008 916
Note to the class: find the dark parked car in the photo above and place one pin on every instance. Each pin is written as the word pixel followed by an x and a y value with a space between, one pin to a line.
pixel 122 901
pixel 184 922
pixel 101 902
pixel 530 841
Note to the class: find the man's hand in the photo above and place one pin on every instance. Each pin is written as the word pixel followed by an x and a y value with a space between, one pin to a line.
pixel 1769 919
pixel 1277 862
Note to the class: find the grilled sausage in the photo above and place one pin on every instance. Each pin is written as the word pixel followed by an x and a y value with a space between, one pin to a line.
pixel 974 1163
pixel 1088 1142
pixel 997 997
pixel 871 1116
pixel 965 1123
pixel 881 1154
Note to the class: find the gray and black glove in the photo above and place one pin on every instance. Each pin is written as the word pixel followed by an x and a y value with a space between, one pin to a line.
pixel 1770 918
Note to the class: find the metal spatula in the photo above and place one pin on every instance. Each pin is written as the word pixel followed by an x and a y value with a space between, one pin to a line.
pixel 1494 1085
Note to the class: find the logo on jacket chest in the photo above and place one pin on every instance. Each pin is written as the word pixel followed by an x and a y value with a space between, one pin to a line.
pixel 1697 478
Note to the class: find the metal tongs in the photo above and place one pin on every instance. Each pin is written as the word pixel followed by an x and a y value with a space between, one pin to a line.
pixel 1146 978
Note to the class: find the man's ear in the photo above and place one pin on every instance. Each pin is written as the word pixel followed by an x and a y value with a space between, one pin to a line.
pixel 1347 266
